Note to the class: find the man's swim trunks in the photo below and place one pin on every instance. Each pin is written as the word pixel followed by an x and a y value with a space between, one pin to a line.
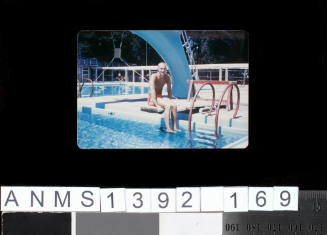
pixel 149 97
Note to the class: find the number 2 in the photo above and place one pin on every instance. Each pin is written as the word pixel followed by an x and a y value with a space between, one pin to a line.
pixel 190 196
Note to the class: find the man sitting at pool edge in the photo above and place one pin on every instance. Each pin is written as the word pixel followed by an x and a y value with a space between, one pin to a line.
pixel 157 82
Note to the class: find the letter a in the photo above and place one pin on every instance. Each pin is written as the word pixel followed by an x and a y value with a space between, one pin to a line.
pixel 11 200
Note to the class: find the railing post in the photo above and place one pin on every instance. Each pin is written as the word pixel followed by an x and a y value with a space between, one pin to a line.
pixel 229 104
pixel 231 98
pixel 220 74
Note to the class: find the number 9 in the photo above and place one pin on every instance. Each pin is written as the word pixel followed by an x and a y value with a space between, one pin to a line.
pixel 166 200
pixel 288 198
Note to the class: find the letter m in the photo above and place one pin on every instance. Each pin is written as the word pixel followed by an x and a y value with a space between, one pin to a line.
pixel 62 203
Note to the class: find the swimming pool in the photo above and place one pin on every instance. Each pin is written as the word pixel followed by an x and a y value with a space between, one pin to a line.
pixel 97 131
pixel 113 89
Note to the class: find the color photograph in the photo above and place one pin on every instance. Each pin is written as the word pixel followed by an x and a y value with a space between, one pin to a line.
pixel 162 89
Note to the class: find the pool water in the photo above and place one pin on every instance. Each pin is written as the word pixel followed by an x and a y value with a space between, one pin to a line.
pixel 113 89
pixel 95 131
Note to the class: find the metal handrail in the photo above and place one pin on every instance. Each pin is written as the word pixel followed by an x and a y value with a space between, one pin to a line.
pixel 219 104
pixel 193 100
pixel 86 79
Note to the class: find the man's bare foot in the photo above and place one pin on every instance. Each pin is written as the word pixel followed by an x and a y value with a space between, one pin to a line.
pixel 171 131
pixel 176 129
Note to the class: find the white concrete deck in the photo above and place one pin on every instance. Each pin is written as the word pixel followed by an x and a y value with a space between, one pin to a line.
pixel 131 105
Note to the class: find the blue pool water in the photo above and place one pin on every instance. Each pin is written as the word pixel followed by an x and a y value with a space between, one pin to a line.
pixel 113 89
pixel 109 132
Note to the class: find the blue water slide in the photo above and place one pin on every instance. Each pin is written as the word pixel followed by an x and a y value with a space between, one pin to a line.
pixel 168 45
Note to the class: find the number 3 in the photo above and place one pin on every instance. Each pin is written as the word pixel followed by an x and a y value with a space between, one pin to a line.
pixel 139 199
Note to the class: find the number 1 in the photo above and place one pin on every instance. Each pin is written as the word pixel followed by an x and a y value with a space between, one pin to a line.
pixel 111 195
pixel 234 195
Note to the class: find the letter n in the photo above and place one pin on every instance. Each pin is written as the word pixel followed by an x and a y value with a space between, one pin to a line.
pixel 41 202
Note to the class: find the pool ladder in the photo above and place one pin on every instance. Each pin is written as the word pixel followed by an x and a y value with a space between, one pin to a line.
pixel 85 73
pixel 228 88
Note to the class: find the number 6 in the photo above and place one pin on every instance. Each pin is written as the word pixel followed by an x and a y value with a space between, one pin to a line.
pixel 263 198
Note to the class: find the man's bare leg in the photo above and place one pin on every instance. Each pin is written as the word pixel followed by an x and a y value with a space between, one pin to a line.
pixel 166 117
pixel 166 105
pixel 174 116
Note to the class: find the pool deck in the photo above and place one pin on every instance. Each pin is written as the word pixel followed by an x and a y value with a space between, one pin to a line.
pixel 130 105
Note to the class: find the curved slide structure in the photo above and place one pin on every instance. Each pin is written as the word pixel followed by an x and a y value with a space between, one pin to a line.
pixel 169 46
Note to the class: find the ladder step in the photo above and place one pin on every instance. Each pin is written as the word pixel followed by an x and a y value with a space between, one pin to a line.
pixel 206 142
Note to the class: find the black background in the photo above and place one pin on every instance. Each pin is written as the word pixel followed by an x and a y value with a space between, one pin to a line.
pixel 287 95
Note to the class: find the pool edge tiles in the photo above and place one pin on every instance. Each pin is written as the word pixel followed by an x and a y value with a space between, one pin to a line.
pixel 112 89
pixel 91 101
pixel 99 83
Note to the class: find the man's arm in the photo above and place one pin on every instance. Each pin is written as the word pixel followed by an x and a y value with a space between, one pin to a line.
pixel 153 90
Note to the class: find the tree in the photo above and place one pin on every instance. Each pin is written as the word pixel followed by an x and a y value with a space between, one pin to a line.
pixel 209 47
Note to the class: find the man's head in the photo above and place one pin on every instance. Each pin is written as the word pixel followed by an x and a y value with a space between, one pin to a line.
pixel 162 68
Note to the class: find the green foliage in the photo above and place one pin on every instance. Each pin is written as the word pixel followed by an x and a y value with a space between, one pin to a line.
pixel 211 49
